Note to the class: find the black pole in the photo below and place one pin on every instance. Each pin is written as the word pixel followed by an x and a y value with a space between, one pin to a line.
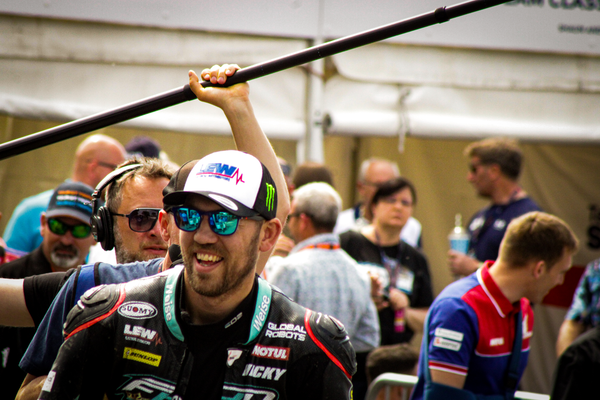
pixel 179 95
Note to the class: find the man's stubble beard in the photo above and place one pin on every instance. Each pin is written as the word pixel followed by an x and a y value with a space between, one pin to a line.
pixel 123 255
pixel 201 283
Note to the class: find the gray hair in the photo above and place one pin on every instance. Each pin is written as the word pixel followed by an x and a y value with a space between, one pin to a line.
pixel 320 202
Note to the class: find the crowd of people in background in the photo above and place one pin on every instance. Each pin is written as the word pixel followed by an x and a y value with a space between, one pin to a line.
pixel 352 287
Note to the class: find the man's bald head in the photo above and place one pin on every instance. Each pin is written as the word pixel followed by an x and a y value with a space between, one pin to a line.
pixel 96 157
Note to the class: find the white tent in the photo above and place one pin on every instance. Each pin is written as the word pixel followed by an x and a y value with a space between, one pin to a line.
pixel 64 69
pixel 530 70
pixel 61 70
pixel 436 92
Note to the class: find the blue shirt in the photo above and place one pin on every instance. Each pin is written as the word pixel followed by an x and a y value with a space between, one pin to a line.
pixel 43 349
pixel 23 228
pixel 487 227
pixel 319 275
pixel 585 307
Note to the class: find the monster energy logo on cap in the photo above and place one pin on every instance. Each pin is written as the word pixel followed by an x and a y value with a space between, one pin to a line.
pixel 270 196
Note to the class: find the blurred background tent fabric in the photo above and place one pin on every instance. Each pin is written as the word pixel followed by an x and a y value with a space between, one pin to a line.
pixel 527 69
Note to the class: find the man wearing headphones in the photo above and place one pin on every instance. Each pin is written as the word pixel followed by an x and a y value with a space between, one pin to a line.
pixel 127 222
pixel 136 183
pixel 248 137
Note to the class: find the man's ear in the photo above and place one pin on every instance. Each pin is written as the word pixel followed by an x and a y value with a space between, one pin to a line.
pixel 495 170
pixel 305 221
pixel 269 235
pixel 539 268
pixel 43 224
pixel 163 220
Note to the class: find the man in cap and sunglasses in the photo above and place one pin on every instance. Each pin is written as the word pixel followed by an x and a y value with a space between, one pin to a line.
pixel 210 328
pixel 66 232
pixel 248 135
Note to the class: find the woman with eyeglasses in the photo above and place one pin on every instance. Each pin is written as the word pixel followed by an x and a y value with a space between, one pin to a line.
pixel 399 273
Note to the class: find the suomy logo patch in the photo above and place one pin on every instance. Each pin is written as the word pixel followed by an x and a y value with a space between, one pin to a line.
pixel 138 310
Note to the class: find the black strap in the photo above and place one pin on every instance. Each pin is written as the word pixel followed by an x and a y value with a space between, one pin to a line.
pixel 392 265
pixel 512 377
pixel 357 211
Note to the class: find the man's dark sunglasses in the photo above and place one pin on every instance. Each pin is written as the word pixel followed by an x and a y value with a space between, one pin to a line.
pixel 221 222
pixel 79 231
pixel 141 219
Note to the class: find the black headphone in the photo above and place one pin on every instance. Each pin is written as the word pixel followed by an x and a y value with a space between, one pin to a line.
pixel 101 221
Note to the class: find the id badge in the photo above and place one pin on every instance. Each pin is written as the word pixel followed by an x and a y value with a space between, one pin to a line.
pixel 405 280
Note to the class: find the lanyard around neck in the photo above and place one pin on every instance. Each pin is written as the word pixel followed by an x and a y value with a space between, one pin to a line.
pixel 323 246
pixel 390 264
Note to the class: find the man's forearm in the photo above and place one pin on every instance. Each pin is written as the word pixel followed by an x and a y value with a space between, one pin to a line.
pixel 415 318
pixel 569 330
pixel 14 310
pixel 250 138
pixel 31 387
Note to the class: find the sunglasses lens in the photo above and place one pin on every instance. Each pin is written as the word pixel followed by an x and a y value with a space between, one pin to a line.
pixel 81 231
pixel 142 220
pixel 223 223
pixel 187 219
pixel 57 227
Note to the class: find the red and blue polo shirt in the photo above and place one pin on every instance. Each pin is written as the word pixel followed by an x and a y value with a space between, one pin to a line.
pixel 471 332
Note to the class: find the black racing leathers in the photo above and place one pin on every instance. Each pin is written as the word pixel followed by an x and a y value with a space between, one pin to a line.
pixel 124 340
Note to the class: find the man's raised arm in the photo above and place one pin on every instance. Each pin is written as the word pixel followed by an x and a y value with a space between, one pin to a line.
pixel 247 133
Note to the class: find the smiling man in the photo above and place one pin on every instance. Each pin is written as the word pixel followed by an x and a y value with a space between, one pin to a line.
pixel 218 329
pixel 248 136
pixel 66 232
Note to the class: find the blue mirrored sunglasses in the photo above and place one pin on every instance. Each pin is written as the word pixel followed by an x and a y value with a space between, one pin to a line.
pixel 221 222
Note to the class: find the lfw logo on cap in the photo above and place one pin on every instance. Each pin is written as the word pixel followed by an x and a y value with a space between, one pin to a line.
pixel 222 171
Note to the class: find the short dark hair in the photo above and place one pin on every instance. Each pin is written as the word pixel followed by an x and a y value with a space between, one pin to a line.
pixel 398 358
pixel 312 172
pixel 392 186
pixel 537 236
pixel 502 151
pixel 152 168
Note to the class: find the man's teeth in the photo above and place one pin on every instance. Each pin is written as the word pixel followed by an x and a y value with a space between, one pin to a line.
pixel 207 258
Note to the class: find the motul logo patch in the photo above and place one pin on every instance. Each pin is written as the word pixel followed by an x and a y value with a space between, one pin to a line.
pixel 274 353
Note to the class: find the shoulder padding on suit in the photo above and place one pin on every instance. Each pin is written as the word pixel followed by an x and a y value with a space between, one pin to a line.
pixel 92 306
pixel 332 334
